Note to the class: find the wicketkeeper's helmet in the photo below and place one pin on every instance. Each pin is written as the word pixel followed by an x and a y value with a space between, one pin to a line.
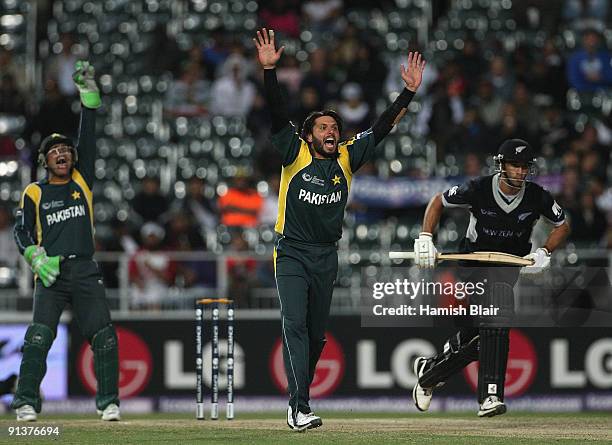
pixel 49 142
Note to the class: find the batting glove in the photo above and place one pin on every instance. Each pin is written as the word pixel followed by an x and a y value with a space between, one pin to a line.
pixel 84 80
pixel 425 252
pixel 541 261
pixel 45 267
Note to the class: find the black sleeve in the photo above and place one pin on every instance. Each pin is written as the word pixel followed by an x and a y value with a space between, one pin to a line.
pixel 460 195
pixel 384 123
pixel 25 223
pixel 550 210
pixel 276 104
pixel 86 146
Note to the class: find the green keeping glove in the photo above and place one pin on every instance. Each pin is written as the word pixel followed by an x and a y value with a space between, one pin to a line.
pixel 47 268
pixel 84 80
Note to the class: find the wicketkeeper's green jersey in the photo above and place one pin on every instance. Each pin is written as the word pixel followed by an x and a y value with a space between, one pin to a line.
pixel 59 217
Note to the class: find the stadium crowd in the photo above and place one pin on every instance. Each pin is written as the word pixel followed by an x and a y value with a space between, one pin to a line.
pixel 471 99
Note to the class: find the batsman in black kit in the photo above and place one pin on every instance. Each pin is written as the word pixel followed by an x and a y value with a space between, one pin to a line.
pixel 54 231
pixel 315 181
pixel 503 209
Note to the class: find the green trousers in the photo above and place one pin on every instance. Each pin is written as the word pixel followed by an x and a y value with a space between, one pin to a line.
pixel 305 276
pixel 80 286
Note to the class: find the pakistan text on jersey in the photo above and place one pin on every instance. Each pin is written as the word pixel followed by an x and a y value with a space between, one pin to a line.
pixel 63 215
pixel 318 199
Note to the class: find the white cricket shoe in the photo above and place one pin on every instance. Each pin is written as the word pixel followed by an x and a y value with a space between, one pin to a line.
pixel 491 406
pixel 290 422
pixel 303 421
pixel 26 413
pixel 110 413
pixel 421 396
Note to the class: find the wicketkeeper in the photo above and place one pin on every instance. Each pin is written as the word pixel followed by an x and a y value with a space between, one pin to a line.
pixel 55 233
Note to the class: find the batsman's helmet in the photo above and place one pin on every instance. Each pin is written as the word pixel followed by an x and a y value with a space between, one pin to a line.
pixel 516 151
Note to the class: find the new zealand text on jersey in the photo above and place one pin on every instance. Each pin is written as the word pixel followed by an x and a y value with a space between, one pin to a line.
pixel 63 215
pixel 318 199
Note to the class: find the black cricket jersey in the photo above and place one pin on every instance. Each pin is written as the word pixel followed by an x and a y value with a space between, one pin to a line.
pixel 314 192
pixel 59 217
pixel 497 223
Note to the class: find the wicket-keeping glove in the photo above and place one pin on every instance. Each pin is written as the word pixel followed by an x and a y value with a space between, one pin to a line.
pixel 47 268
pixel 85 82
pixel 541 261
pixel 425 252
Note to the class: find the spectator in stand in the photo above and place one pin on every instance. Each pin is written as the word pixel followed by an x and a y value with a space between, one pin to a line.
pixel 151 271
pixel 471 63
pixel 501 78
pixel 472 167
pixel 165 43
pixel 241 271
pixel 578 10
pixel 150 204
pixel 290 74
pixel 588 221
pixel 201 209
pixel 568 198
pixel 269 211
pixel 241 205
pixel 553 131
pixel 11 100
pixel 471 134
pixel 527 113
pixel 182 234
pixel 489 105
pixel 282 16
pixel 309 101
pixel 369 71
pixel 589 68
pixel 216 51
pixel 587 142
pixel 61 66
pixel 232 94
pixel 547 74
pixel 8 65
pixel 322 16
pixel 353 110
pixel 121 240
pixel 189 95
pixel 318 75
pixel 10 254
pixel 509 126
pixel 54 115
pixel 346 47
pixel 443 109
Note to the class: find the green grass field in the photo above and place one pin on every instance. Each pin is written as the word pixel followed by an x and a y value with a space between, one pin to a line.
pixel 338 428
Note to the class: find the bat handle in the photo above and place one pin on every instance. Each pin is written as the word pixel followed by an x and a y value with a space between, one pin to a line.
pixel 401 255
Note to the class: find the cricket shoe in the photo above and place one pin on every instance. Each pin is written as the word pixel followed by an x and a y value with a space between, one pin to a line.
pixel 26 413
pixel 491 406
pixel 302 421
pixel 110 413
pixel 421 396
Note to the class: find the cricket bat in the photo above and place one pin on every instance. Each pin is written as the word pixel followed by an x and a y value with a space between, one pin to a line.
pixel 483 257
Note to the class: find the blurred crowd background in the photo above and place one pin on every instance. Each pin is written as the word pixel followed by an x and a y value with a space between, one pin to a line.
pixel 185 162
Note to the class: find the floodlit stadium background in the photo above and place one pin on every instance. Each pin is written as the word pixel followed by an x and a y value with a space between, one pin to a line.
pixel 183 139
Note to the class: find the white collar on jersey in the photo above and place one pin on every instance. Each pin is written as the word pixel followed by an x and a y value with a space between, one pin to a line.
pixel 499 199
